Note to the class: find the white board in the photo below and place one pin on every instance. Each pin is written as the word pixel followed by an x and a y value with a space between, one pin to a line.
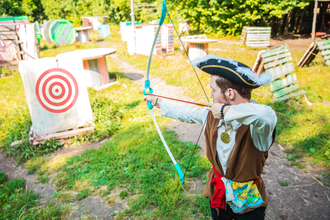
pixel 27 34
pixel 56 95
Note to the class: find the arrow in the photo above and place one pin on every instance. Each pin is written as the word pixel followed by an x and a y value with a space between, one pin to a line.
pixel 179 100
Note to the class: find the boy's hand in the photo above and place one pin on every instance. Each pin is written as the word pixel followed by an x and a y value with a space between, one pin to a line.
pixel 152 99
pixel 215 109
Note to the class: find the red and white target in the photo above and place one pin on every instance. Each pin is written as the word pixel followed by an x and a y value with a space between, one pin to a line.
pixel 57 90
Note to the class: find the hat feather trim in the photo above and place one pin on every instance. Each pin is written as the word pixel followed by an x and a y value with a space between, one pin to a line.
pixel 263 79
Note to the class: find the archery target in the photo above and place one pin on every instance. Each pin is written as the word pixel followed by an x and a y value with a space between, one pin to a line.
pixel 57 90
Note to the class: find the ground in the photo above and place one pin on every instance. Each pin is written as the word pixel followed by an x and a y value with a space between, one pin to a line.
pixel 303 198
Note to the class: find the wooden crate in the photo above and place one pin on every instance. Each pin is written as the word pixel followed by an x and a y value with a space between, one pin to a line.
pixel 324 47
pixel 256 36
pixel 278 62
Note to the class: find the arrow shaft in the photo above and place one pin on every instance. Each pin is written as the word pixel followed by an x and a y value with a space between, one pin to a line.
pixel 179 100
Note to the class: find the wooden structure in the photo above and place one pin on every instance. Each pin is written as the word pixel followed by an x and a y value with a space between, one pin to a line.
pixel 22 38
pixel 167 38
pixel 95 21
pixel 59 32
pixel 256 36
pixel 57 97
pixel 315 17
pixel 124 32
pixel 278 62
pixel 197 45
pixel 93 65
pixel 82 34
pixel 309 55
pixel 141 41
pixel 14 20
pixel 104 30
pixel 324 47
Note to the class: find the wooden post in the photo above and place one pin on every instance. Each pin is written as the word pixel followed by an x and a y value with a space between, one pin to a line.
pixel 314 21
pixel 133 23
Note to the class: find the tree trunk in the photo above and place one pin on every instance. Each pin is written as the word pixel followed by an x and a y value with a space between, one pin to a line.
pixel 296 21
pixel 288 22
pixel 301 19
pixel 280 26
pixel 272 26
pixel 323 11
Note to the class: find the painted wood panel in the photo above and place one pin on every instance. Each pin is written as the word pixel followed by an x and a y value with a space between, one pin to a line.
pixel 95 73
pixel 103 70
pixel 280 71
pixel 278 62
pixel 281 83
pixel 285 91
pixel 274 51
pixel 266 60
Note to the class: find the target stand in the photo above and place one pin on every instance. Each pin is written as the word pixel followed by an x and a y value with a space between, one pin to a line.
pixel 57 98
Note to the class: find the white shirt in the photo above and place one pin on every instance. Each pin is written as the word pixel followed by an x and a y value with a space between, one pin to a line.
pixel 261 118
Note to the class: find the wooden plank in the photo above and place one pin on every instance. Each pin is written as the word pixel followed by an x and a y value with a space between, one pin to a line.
pixel 258 37
pixel 309 55
pixel 281 83
pixel 95 73
pixel 286 97
pixel 7 28
pixel 278 62
pixel 257 44
pixel 266 60
pixel 279 71
pixel 8 37
pixel 326 57
pixel 285 91
pixel 327 62
pixel 67 134
pixel 325 44
pixel 325 52
pixel 8 33
pixel 274 51
pixel 258 28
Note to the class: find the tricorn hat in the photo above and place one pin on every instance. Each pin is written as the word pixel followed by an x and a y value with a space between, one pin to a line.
pixel 232 70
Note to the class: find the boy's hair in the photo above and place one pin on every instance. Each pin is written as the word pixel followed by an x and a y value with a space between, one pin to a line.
pixel 225 84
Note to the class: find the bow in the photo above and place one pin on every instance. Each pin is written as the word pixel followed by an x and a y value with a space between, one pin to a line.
pixel 149 91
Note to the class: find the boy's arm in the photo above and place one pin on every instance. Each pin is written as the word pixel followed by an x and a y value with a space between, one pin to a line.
pixel 261 118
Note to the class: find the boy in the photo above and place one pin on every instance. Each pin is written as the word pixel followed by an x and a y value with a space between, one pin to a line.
pixel 238 134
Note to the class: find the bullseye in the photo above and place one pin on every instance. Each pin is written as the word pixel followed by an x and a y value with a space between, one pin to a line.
pixel 57 90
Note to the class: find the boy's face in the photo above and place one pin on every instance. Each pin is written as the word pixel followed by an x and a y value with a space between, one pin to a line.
pixel 216 94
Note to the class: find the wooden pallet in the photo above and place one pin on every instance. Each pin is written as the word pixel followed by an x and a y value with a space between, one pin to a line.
pixel 324 47
pixel 278 62
pixel 309 55
pixel 256 36
pixel 24 38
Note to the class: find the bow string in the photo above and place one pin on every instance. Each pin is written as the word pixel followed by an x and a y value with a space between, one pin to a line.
pixel 149 91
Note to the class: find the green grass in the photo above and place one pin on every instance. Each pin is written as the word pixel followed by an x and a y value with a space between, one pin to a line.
pixel 16 202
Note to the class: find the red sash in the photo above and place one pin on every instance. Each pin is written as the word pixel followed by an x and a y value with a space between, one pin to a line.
pixel 219 196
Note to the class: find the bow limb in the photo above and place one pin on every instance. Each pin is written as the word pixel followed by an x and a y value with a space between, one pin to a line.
pixel 148 89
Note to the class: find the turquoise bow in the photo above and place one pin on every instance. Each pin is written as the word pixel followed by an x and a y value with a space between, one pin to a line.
pixel 148 89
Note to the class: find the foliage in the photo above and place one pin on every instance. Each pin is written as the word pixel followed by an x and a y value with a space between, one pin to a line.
pixel 18 203
pixel 3 177
pixel 4 71
pixel 31 8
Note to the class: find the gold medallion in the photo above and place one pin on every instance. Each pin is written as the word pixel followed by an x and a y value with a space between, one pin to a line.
pixel 225 137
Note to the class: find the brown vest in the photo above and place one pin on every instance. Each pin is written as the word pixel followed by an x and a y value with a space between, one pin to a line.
pixel 245 163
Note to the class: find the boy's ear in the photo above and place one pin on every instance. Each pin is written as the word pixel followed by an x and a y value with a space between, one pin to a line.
pixel 230 94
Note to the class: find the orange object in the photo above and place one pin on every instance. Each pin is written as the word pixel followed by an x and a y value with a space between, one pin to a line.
pixel 319 34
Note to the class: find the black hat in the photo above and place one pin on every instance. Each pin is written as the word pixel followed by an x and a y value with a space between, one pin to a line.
pixel 232 70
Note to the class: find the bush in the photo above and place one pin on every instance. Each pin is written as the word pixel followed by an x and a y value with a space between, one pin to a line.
pixel 3 177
